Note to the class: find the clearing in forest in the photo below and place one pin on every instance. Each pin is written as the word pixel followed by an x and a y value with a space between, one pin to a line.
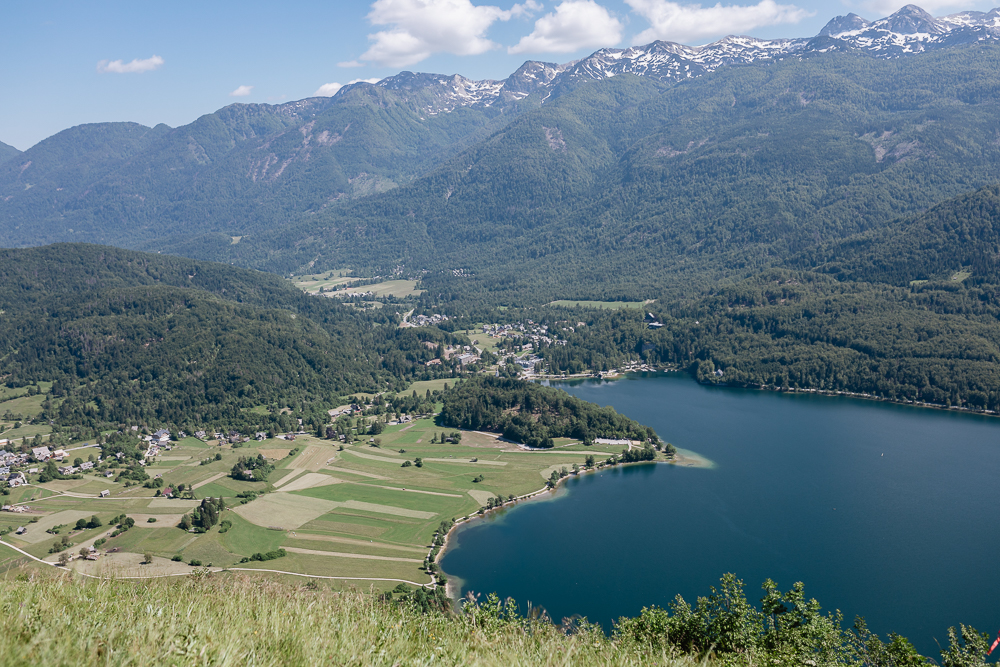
pixel 600 305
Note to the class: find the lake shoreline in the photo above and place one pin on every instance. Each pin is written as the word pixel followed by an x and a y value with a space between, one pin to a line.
pixel 848 394
pixel 682 457
pixel 616 376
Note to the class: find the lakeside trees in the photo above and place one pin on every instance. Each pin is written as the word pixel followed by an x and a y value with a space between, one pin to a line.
pixel 532 414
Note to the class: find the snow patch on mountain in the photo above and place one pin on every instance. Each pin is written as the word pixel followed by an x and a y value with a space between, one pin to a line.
pixel 908 31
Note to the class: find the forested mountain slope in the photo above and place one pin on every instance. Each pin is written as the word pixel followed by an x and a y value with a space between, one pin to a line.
pixel 241 169
pixel 958 240
pixel 661 185
pixel 130 337
pixel 7 152
pixel 697 161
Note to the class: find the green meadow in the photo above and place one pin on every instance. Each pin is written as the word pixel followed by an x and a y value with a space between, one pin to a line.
pixel 351 510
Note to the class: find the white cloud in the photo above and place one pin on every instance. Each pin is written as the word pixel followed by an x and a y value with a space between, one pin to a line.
pixel 574 25
pixel 330 89
pixel 242 91
pixel 420 28
pixel 350 63
pixel 132 67
pixel 673 21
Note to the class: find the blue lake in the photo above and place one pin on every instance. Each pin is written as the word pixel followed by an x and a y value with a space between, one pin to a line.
pixel 885 511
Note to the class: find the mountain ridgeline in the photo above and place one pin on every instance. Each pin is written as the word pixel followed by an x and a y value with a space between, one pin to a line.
pixel 664 164
pixel 806 213
pixel 7 152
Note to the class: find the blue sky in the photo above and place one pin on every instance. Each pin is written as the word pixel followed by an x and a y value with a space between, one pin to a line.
pixel 72 62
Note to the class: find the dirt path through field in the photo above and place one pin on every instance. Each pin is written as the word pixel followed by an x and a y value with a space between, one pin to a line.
pixel 397 488
pixel 347 540
pixel 209 480
pixel 317 552
pixel 357 472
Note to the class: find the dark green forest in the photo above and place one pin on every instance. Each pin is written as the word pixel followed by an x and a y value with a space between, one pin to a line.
pixel 7 152
pixel 532 414
pixel 825 222
pixel 128 337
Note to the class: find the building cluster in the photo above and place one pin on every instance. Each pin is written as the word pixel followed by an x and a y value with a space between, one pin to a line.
pixel 232 437
pixel 426 320
pixel 464 354
pixel 533 336
pixel 15 466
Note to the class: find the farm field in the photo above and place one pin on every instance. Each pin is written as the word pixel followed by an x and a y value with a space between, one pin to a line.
pixel 396 288
pixel 350 510
pixel 312 283
pixel 601 305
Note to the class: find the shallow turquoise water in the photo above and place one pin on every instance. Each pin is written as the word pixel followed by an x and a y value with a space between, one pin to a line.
pixel 884 511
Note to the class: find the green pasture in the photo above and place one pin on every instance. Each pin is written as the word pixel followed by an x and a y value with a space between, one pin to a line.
pixel 27 406
pixel 246 539
pixel 356 512
pixel 313 283
pixel 422 386
pixel 396 288
pixel 8 393
pixel 599 305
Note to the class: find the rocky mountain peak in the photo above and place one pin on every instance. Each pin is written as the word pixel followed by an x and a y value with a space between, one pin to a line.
pixel 841 24
pixel 911 20
pixel 908 31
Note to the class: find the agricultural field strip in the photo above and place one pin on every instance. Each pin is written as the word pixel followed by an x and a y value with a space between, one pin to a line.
pixel 578 452
pixel 370 457
pixel 209 480
pixel 397 488
pixel 480 496
pixel 485 463
pixel 357 472
pixel 162 520
pixel 186 572
pixel 308 481
pixel 276 454
pixel 388 460
pixel 172 503
pixel 385 509
pixel 312 458
pixel 287 478
pixel 338 554
pixel 284 510
pixel 361 543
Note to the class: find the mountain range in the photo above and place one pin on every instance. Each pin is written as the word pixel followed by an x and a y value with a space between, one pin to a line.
pixel 908 31
pixel 665 164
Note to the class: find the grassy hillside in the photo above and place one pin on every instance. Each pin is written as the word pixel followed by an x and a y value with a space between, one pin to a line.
pixel 229 619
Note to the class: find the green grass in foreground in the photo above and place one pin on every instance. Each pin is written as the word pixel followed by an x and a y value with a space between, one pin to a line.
pixel 230 618
pixel 239 620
